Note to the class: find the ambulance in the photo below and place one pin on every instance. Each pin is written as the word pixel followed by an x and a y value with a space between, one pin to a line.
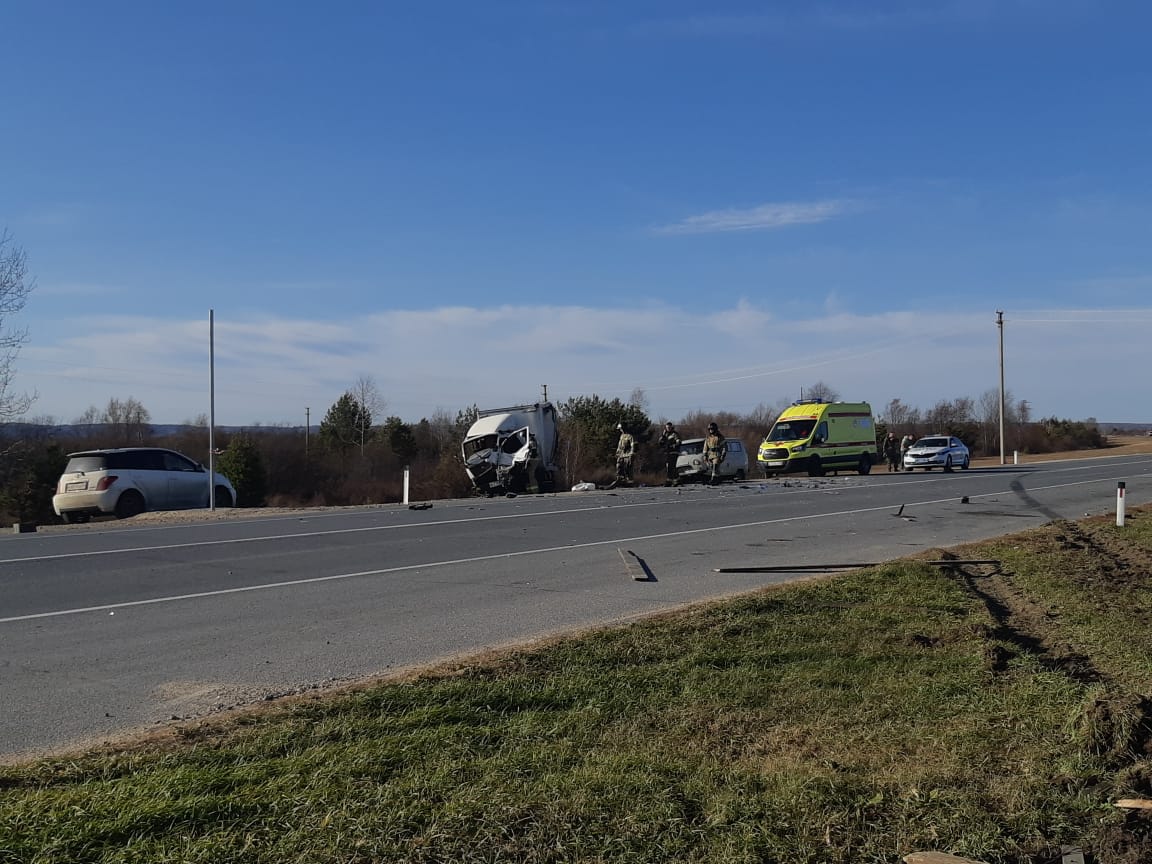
pixel 817 436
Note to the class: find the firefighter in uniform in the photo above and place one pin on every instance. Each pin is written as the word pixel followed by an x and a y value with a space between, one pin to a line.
pixel 715 449
pixel 625 449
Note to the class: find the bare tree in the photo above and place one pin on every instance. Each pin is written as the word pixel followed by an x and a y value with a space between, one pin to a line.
pixel 896 415
pixel 368 395
pixel 821 391
pixel 988 415
pixel 443 426
pixel 14 291
pixel 130 420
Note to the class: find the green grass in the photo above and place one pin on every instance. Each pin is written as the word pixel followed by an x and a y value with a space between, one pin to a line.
pixel 854 719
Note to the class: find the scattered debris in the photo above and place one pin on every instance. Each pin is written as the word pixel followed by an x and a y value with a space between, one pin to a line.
pixel 964 500
pixel 900 511
pixel 636 567
pixel 937 858
pixel 584 487
pixel 426 505
pixel 1134 803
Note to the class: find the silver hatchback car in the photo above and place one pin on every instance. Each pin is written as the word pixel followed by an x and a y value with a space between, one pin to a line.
pixel 131 480
pixel 937 451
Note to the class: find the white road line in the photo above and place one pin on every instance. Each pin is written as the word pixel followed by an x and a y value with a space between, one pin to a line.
pixel 270 537
pixel 542 551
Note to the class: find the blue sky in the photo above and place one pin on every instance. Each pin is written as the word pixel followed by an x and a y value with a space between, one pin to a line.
pixel 717 202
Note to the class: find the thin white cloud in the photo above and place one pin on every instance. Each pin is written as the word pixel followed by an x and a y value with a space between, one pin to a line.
pixel 269 370
pixel 765 217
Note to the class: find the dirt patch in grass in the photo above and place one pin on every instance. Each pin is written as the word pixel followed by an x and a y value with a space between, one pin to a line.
pixel 1050 623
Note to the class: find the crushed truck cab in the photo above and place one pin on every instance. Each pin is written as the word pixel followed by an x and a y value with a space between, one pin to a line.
pixel 817 437
pixel 512 449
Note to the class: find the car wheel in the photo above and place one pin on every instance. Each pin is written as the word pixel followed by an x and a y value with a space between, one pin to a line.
pixel 964 464
pixel 815 469
pixel 740 475
pixel 948 464
pixel 131 504
pixel 223 497
pixel 865 465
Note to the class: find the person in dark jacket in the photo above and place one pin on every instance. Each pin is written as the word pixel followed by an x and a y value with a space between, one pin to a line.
pixel 892 452
pixel 669 442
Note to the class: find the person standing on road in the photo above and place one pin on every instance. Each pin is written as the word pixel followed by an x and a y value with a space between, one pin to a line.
pixel 715 450
pixel 905 445
pixel 669 442
pixel 891 449
pixel 625 450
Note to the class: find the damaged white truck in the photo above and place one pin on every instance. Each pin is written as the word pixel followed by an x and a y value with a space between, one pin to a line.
pixel 513 450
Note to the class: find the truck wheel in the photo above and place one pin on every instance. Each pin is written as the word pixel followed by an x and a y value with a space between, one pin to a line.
pixel 865 465
pixel 815 469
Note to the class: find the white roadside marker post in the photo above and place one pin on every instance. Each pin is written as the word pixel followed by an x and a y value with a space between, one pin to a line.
pixel 406 473
pixel 1120 504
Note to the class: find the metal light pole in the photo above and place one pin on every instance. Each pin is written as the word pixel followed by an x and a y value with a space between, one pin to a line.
pixel 211 409
pixel 1000 325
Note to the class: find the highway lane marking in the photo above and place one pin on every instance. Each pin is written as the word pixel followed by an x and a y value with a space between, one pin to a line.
pixel 270 537
pixel 407 568
pixel 274 537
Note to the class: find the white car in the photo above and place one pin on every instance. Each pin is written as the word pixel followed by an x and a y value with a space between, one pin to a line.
pixel 690 465
pixel 132 480
pixel 937 451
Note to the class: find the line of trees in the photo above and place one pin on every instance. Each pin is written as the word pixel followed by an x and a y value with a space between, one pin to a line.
pixel 359 453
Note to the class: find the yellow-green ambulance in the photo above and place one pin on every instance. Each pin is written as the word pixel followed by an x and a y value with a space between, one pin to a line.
pixel 816 436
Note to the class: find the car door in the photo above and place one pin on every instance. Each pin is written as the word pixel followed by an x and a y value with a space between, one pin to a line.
pixel 147 474
pixel 187 482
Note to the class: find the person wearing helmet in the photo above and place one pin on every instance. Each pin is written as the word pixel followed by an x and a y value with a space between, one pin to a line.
pixel 625 449
pixel 669 442
pixel 715 451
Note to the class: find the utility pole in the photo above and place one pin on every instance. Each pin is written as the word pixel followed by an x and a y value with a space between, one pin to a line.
pixel 307 428
pixel 545 386
pixel 1000 326
pixel 212 410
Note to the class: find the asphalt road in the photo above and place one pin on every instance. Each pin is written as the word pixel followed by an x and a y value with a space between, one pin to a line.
pixel 114 627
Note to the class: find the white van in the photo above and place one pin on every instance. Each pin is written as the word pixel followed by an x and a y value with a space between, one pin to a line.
pixel 691 466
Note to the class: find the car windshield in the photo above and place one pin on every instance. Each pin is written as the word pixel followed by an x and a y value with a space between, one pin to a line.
pixel 932 442
pixel 792 430
pixel 692 448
